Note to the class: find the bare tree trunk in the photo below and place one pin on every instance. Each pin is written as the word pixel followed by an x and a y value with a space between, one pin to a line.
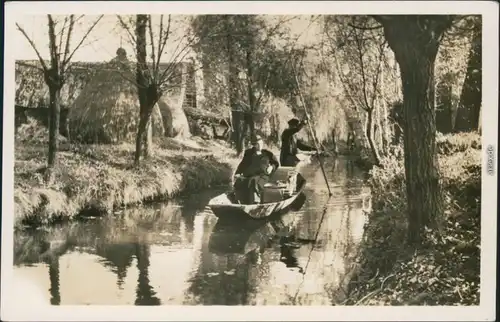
pixel 148 93
pixel 144 135
pixel 334 141
pixel 273 127
pixel 239 130
pixel 369 136
pixel 242 136
pixel 386 135
pixel 480 125
pixel 184 80
pixel 377 129
pixel 250 123
pixel 470 98
pixel 139 139
pixel 251 95
pixel 386 126
pixel 55 111
pixel 232 71
pixel 148 139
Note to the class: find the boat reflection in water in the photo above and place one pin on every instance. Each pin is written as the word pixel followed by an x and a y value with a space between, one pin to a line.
pixel 245 235
pixel 231 267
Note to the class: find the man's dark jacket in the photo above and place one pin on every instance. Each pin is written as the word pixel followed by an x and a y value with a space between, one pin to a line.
pixel 290 145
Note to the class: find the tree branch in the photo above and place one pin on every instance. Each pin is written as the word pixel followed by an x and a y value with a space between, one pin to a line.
pixel 345 84
pixel 61 33
pixel 382 19
pixel 363 75
pixel 184 52
pixel 122 74
pixel 68 59
pixel 265 89
pixel 54 54
pixel 348 88
pixel 364 27
pixel 377 75
pixel 127 29
pixel 150 28
pixel 162 45
pixel 274 29
pixel 32 44
pixel 174 60
pixel 68 41
pixel 142 69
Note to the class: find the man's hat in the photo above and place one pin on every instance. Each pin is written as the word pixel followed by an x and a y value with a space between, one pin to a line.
pixel 256 138
pixel 293 122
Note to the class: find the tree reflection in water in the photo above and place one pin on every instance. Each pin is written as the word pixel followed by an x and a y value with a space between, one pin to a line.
pixel 145 295
pixel 237 264
pixel 55 295
pixel 117 258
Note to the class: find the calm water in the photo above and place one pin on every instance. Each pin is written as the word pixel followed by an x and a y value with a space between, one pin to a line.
pixel 178 253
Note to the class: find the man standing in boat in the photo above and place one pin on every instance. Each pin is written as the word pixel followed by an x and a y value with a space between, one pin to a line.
pixel 290 144
pixel 253 171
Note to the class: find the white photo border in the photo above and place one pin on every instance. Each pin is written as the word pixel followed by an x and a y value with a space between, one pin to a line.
pixel 12 311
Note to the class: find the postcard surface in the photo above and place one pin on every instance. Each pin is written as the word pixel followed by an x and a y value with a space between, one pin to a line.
pixel 274 160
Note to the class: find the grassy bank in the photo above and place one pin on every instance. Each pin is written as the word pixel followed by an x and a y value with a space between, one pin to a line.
pixel 446 271
pixel 99 178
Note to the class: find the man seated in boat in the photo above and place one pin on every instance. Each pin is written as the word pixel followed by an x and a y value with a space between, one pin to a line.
pixel 290 144
pixel 254 171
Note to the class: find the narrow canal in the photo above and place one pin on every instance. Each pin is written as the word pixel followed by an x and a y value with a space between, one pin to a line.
pixel 178 253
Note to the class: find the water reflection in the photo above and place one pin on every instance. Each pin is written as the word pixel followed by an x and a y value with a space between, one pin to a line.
pixel 55 295
pixel 179 253
pixel 145 293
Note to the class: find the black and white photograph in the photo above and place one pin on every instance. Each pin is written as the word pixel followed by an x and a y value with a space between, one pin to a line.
pixel 278 160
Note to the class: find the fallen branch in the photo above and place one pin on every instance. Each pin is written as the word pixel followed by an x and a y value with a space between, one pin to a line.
pixel 374 292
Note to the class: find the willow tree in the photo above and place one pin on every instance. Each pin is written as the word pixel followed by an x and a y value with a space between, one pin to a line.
pixel 415 42
pixel 242 45
pixel 359 51
pixel 56 71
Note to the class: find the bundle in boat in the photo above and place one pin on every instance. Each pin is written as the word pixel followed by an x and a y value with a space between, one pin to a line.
pixel 278 196
pixel 282 185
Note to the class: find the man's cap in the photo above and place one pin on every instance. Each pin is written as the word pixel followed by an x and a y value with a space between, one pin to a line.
pixel 256 138
pixel 293 121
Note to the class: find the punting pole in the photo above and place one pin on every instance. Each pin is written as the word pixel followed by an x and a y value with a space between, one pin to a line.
pixel 312 133
pixel 325 209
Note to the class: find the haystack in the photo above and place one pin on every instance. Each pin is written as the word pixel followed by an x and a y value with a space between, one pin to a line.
pixel 175 121
pixel 107 109
pixel 171 104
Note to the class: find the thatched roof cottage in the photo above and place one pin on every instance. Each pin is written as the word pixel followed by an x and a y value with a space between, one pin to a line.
pixel 98 95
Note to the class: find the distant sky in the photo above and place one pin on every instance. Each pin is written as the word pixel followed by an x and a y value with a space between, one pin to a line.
pixel 101 45
pixel 108 36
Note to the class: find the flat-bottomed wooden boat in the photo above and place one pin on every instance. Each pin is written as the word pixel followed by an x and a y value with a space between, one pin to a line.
pixel 226 205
